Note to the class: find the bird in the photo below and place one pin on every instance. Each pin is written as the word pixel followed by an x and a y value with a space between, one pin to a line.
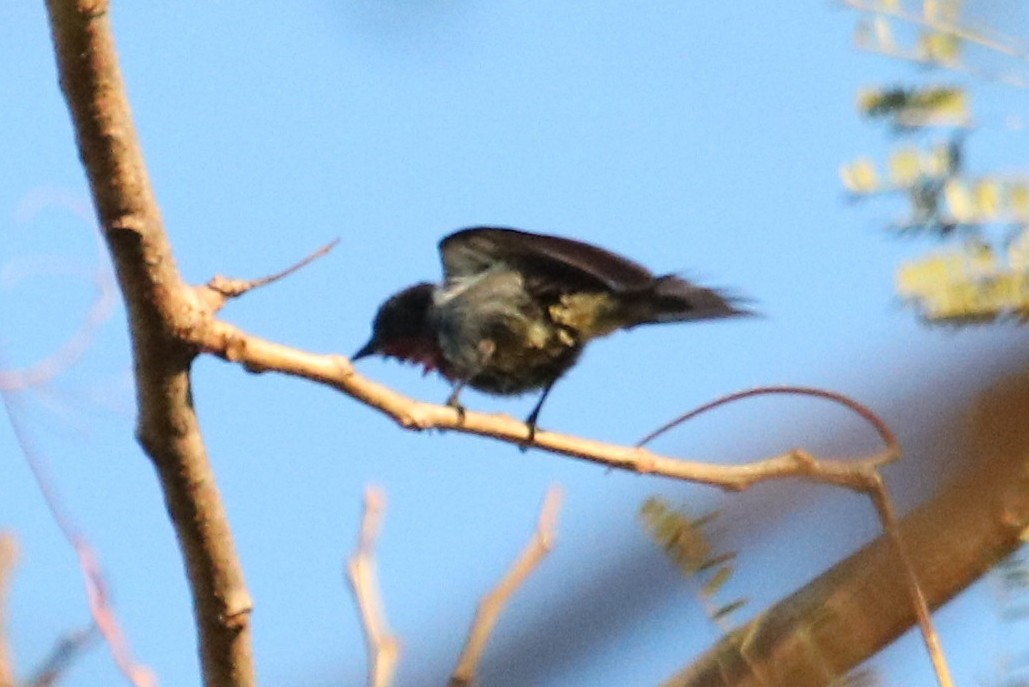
pixel 515 310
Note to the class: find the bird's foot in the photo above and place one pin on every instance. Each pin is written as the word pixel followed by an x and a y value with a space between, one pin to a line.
pixel 530 426
pixel 454 403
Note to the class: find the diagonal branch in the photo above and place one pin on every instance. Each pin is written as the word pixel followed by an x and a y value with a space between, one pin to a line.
pixel 493 603
pixel 96 587
pixel 61 657
pixel 858 606
pixel 161 308
pixel 888 516
pixel 260 355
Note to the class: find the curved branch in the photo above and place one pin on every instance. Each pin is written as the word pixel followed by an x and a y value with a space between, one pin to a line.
pixel 220 289
pixel 73 348
pixel 866 414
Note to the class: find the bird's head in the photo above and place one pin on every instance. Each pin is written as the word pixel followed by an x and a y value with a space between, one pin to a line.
pixel 402 329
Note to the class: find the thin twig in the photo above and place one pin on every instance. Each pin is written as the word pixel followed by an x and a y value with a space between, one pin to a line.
pixel 34 376
pixel 383 647
pixel 996 43
pixel 876 491
pixel 8 557
pixel 884 431
pixel 72 349
pixel 106 621
pixel 61 656
pixel 96 590
pixel 884 507
pixel 225 288
pixel 494 602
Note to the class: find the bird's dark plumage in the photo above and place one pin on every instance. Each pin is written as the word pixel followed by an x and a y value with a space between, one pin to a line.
pixel 567 263
pixel 515 309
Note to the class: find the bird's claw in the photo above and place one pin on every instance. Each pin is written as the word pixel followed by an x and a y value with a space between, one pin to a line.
pixel 530 426
pixel 456 405
pixel 460 411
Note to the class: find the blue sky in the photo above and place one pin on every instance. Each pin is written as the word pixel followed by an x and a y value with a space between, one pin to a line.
pixel 698 138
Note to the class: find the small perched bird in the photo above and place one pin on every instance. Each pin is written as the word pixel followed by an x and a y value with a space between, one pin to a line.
pixel 515 310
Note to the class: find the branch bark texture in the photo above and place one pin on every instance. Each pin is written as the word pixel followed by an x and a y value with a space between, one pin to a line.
pixel 160 308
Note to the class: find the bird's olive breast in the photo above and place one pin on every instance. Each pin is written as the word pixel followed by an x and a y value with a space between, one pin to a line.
pixel 497 336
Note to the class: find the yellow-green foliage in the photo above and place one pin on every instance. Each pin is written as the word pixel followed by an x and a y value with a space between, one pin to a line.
pixel 969 285
pixel 977 281
pixel 686 543
pixel 917 106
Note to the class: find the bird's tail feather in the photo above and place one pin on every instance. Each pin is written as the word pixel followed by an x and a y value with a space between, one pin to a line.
pixel 673 299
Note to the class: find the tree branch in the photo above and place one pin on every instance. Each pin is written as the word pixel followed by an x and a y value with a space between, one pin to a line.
pixel 8 556
pixel 100 608
pixel 161 308
pixel 383 647
pixel 260 355
pixel 61 657
pixel 888 517
pixel 217 292
pixel 863 603
pixel 493 603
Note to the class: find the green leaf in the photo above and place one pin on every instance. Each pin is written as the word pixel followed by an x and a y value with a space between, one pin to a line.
pixel 717 581
pixel 728 608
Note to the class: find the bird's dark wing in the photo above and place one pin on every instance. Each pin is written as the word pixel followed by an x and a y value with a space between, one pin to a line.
pixel 548 262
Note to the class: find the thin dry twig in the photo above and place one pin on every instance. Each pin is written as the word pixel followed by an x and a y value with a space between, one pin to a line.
pixel 8 557
pixel 35 376
pixel 884 431
pixel 1000 43
pixel 875 489
pixel 383 646
pixel 61 656
pixel 884 507
pixel 96 588
pixel 222 289
pixel 106 621
pixel 493 603
pixel 72 349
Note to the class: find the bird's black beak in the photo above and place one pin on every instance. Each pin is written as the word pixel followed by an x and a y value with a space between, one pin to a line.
pixel 368 349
